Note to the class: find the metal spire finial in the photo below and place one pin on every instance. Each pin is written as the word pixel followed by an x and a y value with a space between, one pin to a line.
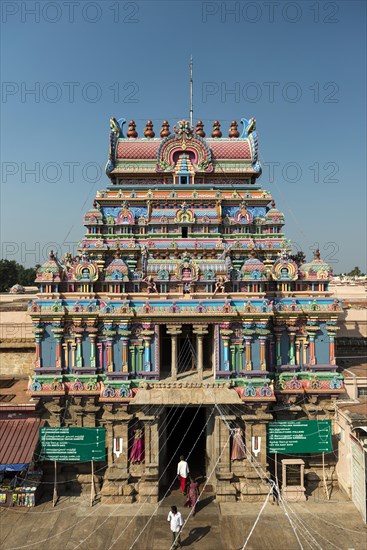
pixel 191 94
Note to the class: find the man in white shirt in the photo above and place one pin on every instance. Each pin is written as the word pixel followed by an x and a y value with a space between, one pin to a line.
pixel 175 520
pixel 182 472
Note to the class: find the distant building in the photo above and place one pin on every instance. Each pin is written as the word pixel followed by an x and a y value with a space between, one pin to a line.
pixel 183 300
pixel 351 421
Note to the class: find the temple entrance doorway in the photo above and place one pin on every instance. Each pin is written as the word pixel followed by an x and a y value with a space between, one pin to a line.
pixel 183 433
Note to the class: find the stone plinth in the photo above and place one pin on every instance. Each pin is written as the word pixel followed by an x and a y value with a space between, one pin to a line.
pixel 293 475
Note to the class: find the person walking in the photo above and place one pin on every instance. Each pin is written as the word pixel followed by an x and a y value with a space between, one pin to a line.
pixel 175 519
pixel 192 495
pixel 182 472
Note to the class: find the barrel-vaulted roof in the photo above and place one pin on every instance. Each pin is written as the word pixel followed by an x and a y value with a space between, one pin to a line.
pixel 237 153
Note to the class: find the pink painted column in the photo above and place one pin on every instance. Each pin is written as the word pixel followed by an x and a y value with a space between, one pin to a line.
pixel 38 332
pixel 262 352
pixel 312 357
pixel 58 353
pixel 37 362
pixel 100 355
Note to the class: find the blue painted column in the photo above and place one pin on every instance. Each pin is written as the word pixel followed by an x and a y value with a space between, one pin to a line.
pixel 225 333
pixel 226 364
pixel 147 362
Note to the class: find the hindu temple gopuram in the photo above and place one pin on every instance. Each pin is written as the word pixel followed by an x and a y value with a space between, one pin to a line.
pixel 183 314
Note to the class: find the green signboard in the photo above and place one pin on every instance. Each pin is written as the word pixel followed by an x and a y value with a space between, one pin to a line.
pixel 299 436
pixel 73 444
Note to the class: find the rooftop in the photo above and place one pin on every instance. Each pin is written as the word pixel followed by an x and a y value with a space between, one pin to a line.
pixel 14 399
pixel 356 370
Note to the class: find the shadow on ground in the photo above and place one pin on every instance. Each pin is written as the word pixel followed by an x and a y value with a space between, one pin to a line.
pixel 196 534
pixel 204 502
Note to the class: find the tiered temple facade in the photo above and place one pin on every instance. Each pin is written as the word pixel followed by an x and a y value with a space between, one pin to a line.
pixel 184 293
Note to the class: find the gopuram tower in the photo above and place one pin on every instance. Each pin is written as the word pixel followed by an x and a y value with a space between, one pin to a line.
pixel 183 315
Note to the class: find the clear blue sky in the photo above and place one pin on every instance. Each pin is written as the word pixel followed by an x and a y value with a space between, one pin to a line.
pixel 297 67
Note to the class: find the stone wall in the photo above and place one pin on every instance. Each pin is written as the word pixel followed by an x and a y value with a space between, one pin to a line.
pixel 17 361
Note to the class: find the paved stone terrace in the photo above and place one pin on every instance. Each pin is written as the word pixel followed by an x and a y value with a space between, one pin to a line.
pixel 73 524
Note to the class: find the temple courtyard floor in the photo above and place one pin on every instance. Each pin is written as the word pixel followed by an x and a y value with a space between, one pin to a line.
pixel 73 524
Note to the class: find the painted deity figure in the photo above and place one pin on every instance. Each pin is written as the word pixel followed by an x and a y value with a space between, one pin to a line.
pixel 137 450
pixel 186 274
pixel 151 286
pixel 238 446
pixel 187 288
pixel 220 285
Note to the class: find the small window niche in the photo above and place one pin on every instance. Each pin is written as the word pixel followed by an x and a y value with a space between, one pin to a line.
pixel 184 232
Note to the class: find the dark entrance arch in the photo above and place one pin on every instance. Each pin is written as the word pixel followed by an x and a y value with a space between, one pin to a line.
pixel 185 434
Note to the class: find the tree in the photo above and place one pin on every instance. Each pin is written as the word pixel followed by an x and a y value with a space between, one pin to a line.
pixel 12 273
pixel 356 272
pixel 299 257
pixel 26 275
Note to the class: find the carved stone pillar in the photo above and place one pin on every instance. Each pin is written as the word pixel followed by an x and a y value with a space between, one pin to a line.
pixel 109 335
pixel 116 487
pixel 58 332
pixel 109 354
pixel 225 490
pixel 292 335
pixel 78 339
pixel 225 332
pixel 147 334
pixel 133 358
pixel 278 337
pixel 140 358
pixel 174 331
pixel 65 347
pixel 312 355
pixel 148 486
pixel 124 332
pixel 262 352
pixel 241 348
pixel 100 355
pixel 248 361
pixel 92 337
pixel 298 351
pixel 331 330
pixel 200 331
pixel 38 333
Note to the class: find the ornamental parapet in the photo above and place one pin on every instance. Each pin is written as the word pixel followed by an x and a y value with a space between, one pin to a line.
pixel 256 389
pixel 83 385
pixel 310 383
pixel 113 391
pixel 152 307
pixel 46 385
pixel 84 307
